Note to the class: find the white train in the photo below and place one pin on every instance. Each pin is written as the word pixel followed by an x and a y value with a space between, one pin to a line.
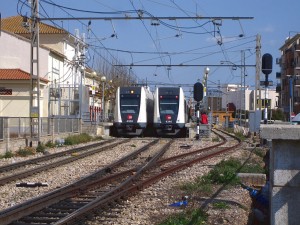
pixel 133 112
pixel 170 111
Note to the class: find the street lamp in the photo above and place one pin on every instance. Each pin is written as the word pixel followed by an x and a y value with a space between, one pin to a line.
pixel 103 79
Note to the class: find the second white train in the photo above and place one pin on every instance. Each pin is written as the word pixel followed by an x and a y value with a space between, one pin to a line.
pixel 170 111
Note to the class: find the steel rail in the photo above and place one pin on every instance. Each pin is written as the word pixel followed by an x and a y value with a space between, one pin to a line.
pixel 51 156
pixel 116 192
pixel 18 211
pixel 7 179
pixel 137 186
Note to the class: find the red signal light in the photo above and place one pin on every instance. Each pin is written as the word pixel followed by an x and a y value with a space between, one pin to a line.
pixel 129 117
pixel 176 96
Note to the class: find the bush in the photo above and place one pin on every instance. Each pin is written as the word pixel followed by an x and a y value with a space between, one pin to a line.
pixel 41 148
pixel 23 152
pixel 77 139
pixel 50 144
pixel 7 155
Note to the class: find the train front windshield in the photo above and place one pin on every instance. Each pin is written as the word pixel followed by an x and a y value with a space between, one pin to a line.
pixel 168 105
pixel 130 104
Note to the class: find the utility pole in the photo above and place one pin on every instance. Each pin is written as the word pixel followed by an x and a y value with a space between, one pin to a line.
pixel 257 75
pixel 35 117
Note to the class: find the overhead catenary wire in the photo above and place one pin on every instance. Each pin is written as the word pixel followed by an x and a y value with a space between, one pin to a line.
pixel 161 54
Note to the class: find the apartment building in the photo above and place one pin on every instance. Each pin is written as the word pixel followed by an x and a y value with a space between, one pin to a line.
pixel 289 76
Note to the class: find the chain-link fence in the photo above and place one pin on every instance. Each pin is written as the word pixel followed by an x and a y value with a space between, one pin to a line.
pixel 19 127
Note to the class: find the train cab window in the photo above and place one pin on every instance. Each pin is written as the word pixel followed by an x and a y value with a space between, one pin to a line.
pixel 130 104
pixel 168 105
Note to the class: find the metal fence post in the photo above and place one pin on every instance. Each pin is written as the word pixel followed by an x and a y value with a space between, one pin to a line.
pixel 6 134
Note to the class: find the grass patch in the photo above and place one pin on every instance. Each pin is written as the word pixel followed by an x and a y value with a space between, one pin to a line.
pixel 252 168
pixel 216 139
pixel 220 205
pixel 41 148
pixel 194 216
pixel 50 144
pixel 259 152
pixel 23 152
pixel 225 172
pixel 7 155
pixel 240 136
pixel 77 139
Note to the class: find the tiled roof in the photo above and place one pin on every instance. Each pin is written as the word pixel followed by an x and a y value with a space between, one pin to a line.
pixel 14 25
pixel 16 74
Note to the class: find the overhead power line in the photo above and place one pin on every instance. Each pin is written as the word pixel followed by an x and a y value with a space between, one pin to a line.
pixel 149 18
pixel 185 65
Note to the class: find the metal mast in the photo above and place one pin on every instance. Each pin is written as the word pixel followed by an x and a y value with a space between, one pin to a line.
pixel 35 118
pixel 257 75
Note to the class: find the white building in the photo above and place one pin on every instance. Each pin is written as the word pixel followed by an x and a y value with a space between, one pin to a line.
pixel 243 98
pixel 61 62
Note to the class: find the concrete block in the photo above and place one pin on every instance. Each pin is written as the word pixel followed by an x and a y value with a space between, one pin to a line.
pixel 286 166
pixel 278 131
pixel 253 179
pixel 285 206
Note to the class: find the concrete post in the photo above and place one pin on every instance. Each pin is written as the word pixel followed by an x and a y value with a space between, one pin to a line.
pixel 284 173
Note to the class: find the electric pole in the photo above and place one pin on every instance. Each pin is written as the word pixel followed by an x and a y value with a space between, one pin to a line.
pixel 257 75
pixel 35 117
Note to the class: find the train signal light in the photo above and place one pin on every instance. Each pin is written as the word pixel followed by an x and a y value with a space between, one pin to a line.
pixel 267 61
pixel 198 91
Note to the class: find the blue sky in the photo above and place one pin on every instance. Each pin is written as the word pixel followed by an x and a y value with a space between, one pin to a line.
pixel 186 42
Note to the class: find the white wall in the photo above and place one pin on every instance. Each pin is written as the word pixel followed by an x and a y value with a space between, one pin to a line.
pixel 232 94
pixel 15 54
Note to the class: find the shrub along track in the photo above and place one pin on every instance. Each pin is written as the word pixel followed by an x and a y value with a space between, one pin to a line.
pixel 94 193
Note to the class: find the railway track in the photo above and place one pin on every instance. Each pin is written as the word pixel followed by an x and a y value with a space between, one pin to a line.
pixel 29 167
pixel 74 202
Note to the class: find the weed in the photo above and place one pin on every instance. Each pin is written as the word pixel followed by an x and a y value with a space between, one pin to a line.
pixel 77 139
pixel 194 216
pixel 259 152
pixel 220 205
pixel 216 139
pixel 225 172
pixel 240 136
pixel 50 144
pixel 6 155
pixel 252 168
pixel 23 152
pixel 41 148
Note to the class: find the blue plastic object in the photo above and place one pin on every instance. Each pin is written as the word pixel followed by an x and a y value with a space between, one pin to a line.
pixel 178 204
pixel 183 202
pixel 257 195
